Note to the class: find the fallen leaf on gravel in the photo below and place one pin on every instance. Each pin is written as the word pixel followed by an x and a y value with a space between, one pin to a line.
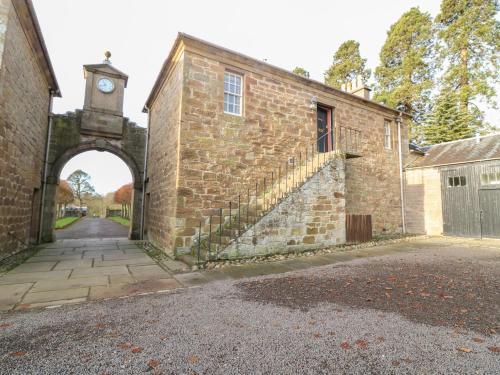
pixel 136 349
pixel 317 335
pixel 100 326
pixel 395 363
pixel 192 359
pixel 464 350
pixel 125 345
pixel 388 288
pixel 476 339
pixel 163 338
pixel 152 363
pixel 345 345
pixel 494 349
pixel 362 344
pixel 380 339
pixel 17 354
pixel 425 294
pixel 5 325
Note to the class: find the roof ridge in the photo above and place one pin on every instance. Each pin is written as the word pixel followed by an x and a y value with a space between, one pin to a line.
pixel 466 139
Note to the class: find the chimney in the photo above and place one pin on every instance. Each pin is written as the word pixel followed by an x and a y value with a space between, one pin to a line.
pixel 358 88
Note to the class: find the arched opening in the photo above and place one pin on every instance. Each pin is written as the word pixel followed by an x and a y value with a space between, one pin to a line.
pixel 109 168
pixel 94 197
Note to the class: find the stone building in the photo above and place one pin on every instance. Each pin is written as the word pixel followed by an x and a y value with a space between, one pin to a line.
pixel 453 188
pixel 221 122
pixel 27 86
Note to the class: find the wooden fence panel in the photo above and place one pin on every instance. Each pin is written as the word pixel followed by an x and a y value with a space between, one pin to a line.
pixel 358 228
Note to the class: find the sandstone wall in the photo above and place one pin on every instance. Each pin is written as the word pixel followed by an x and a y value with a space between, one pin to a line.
pixel 24 102
pixel 222 155
pixel 423 207
pixel 163 161
pixel 312 217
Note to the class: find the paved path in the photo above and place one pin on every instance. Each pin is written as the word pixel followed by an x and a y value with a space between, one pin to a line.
pixel 71 271
pixel 313 320
pixel 93 228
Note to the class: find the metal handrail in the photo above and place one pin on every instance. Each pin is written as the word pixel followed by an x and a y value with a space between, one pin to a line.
pixel 311 163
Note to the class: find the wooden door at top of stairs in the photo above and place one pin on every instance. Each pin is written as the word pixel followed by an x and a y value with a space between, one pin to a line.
pixel 325 133
pixel 489 204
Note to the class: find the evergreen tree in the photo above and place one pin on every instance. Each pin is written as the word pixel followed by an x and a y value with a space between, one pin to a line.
pixel 347 65
pixel 448 121
pixel 406 71
pixel 301 71
pixel 469 44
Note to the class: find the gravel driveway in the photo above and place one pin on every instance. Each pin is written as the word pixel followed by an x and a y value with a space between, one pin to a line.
pixel 398 313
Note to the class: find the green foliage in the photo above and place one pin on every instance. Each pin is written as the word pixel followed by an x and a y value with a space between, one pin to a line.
pixel 301 71
pixel 347 65
pixel 81 185
pixel 406 71
pixel 65 221
pixel 120 220
pixel 469 44
pixel 448 121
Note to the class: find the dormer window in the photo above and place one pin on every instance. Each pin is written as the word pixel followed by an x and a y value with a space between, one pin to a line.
pixel 232 93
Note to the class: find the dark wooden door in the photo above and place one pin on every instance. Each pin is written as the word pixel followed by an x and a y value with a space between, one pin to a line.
pixel 489 202
pixel 322 129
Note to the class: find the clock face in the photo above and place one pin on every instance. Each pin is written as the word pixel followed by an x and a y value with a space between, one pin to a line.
pixel 105 85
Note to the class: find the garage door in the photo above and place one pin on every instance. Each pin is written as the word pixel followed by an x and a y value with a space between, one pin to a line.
pixel 489 202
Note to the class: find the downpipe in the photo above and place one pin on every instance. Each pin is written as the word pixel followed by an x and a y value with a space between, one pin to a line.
pixel 401 175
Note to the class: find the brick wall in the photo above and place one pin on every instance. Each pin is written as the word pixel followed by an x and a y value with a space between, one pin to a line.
pixel 163 161
pixel 24 101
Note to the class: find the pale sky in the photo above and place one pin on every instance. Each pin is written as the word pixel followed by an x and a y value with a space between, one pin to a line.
pixel 108 171
pixel 140 33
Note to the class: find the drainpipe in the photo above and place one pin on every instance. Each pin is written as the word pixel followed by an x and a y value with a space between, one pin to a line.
pixel 401 182
pixel 46 166
pixel 145 175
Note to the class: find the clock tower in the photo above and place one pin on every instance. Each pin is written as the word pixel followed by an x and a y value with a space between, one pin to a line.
pixel 103 105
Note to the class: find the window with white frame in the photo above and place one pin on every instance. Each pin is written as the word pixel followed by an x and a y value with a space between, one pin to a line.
pixel 387 135
pixel 232 93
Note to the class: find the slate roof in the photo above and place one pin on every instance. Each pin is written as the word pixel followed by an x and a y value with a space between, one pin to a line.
pixel 457 152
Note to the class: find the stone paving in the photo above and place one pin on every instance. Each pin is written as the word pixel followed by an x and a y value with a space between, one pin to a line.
pixel 93 227
pixel 72 271
pixel 75 271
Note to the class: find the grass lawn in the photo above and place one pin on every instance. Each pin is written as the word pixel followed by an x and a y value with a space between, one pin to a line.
pixel 65 221
pixel 120 220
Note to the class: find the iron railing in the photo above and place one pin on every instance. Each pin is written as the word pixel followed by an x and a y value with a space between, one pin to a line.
pixel 243 213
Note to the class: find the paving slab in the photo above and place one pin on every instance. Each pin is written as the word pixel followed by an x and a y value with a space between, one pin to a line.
pixel 77 282
pixel 26 306
pixel 148 272
pixel 55 295
pixel 121 279
pixel 117 290
pixel 100 253
pixel 176 266
pixel 31 277
pixel 73 264
pixel 33 267
pixel 52 258
pixel 122 256
pixel 12 294
pixel 116 270
pixel 145 260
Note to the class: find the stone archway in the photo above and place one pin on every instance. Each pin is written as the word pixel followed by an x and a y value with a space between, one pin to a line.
pixel 67 139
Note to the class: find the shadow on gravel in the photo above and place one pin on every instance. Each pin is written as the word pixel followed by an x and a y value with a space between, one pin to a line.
pixel 456 294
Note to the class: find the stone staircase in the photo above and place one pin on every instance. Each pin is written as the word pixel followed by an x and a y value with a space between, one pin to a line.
pixel 226 226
